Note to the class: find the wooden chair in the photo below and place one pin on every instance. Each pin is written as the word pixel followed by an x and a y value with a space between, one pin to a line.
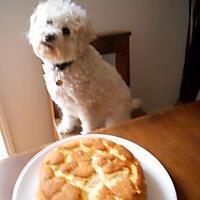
pixel 114 43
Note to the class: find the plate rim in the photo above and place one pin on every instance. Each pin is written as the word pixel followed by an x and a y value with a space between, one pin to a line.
pixel 100 135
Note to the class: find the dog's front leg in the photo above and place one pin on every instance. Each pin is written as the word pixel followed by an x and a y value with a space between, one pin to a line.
pixel 67 125
pixel 87 127
pixel 90 123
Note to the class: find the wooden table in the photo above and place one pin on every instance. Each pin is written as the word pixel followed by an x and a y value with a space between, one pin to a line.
pixel 173 136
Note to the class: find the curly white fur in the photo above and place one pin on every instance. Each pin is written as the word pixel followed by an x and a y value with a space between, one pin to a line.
pixel 92 91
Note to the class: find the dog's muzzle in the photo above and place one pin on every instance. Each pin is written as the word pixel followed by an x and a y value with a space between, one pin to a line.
pixel 46 44
pixel 50 38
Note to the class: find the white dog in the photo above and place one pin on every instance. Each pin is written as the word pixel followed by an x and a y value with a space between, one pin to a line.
pixel 80 82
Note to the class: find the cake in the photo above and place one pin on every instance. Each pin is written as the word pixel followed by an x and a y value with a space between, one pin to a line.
pixel 91 169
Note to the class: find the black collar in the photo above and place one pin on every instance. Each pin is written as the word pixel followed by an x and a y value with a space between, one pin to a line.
pixel 63 66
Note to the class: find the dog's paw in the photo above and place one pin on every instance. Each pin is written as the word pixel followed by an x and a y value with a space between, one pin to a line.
pixel 63 130
pixel 84 132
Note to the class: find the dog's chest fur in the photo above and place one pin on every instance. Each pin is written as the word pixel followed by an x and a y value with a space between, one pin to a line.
pixel 77 86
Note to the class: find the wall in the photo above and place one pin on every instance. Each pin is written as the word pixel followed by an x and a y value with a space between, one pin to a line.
pixel 157 55
pixel 22 90
pixel 157 44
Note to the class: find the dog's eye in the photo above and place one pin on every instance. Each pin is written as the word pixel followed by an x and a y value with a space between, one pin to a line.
pixel 50 22
pixel 65 31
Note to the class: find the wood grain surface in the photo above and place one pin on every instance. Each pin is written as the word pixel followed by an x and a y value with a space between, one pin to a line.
pixel 173 136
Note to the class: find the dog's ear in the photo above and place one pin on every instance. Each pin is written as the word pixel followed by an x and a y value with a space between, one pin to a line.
pixel 32 21
pixel 81 26
pixel 80 23
pixel 86 31
pixel 33 18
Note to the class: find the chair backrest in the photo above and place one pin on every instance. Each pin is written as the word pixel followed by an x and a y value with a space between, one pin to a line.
pixel 112 43
pixel 117 43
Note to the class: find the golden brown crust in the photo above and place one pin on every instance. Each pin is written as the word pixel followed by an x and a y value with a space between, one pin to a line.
pixel 122 150
pixel 105 194
pixel 110 163
pixel 67 192
pixel 67 167
pixel 46 173
pixel 80 156
pixel 91 169
pixel 124 189
pixel 71 145
pixel 96 143
pixel 51 186
pixel 87 142
pixel 110 143
pixel 83 170
pixel 54 158
pixel 140 179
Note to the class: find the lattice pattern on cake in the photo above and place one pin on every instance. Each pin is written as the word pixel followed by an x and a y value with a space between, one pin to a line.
pixel 91 169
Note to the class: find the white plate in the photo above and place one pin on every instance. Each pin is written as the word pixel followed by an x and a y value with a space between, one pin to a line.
pixel 159 183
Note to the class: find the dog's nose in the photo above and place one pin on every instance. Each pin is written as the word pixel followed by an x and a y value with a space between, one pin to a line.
pixel 50 38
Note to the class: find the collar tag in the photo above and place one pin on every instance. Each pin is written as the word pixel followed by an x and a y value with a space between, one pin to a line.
pixel 59 82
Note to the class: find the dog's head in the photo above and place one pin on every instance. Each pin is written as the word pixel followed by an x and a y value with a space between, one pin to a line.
pixel 59 31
